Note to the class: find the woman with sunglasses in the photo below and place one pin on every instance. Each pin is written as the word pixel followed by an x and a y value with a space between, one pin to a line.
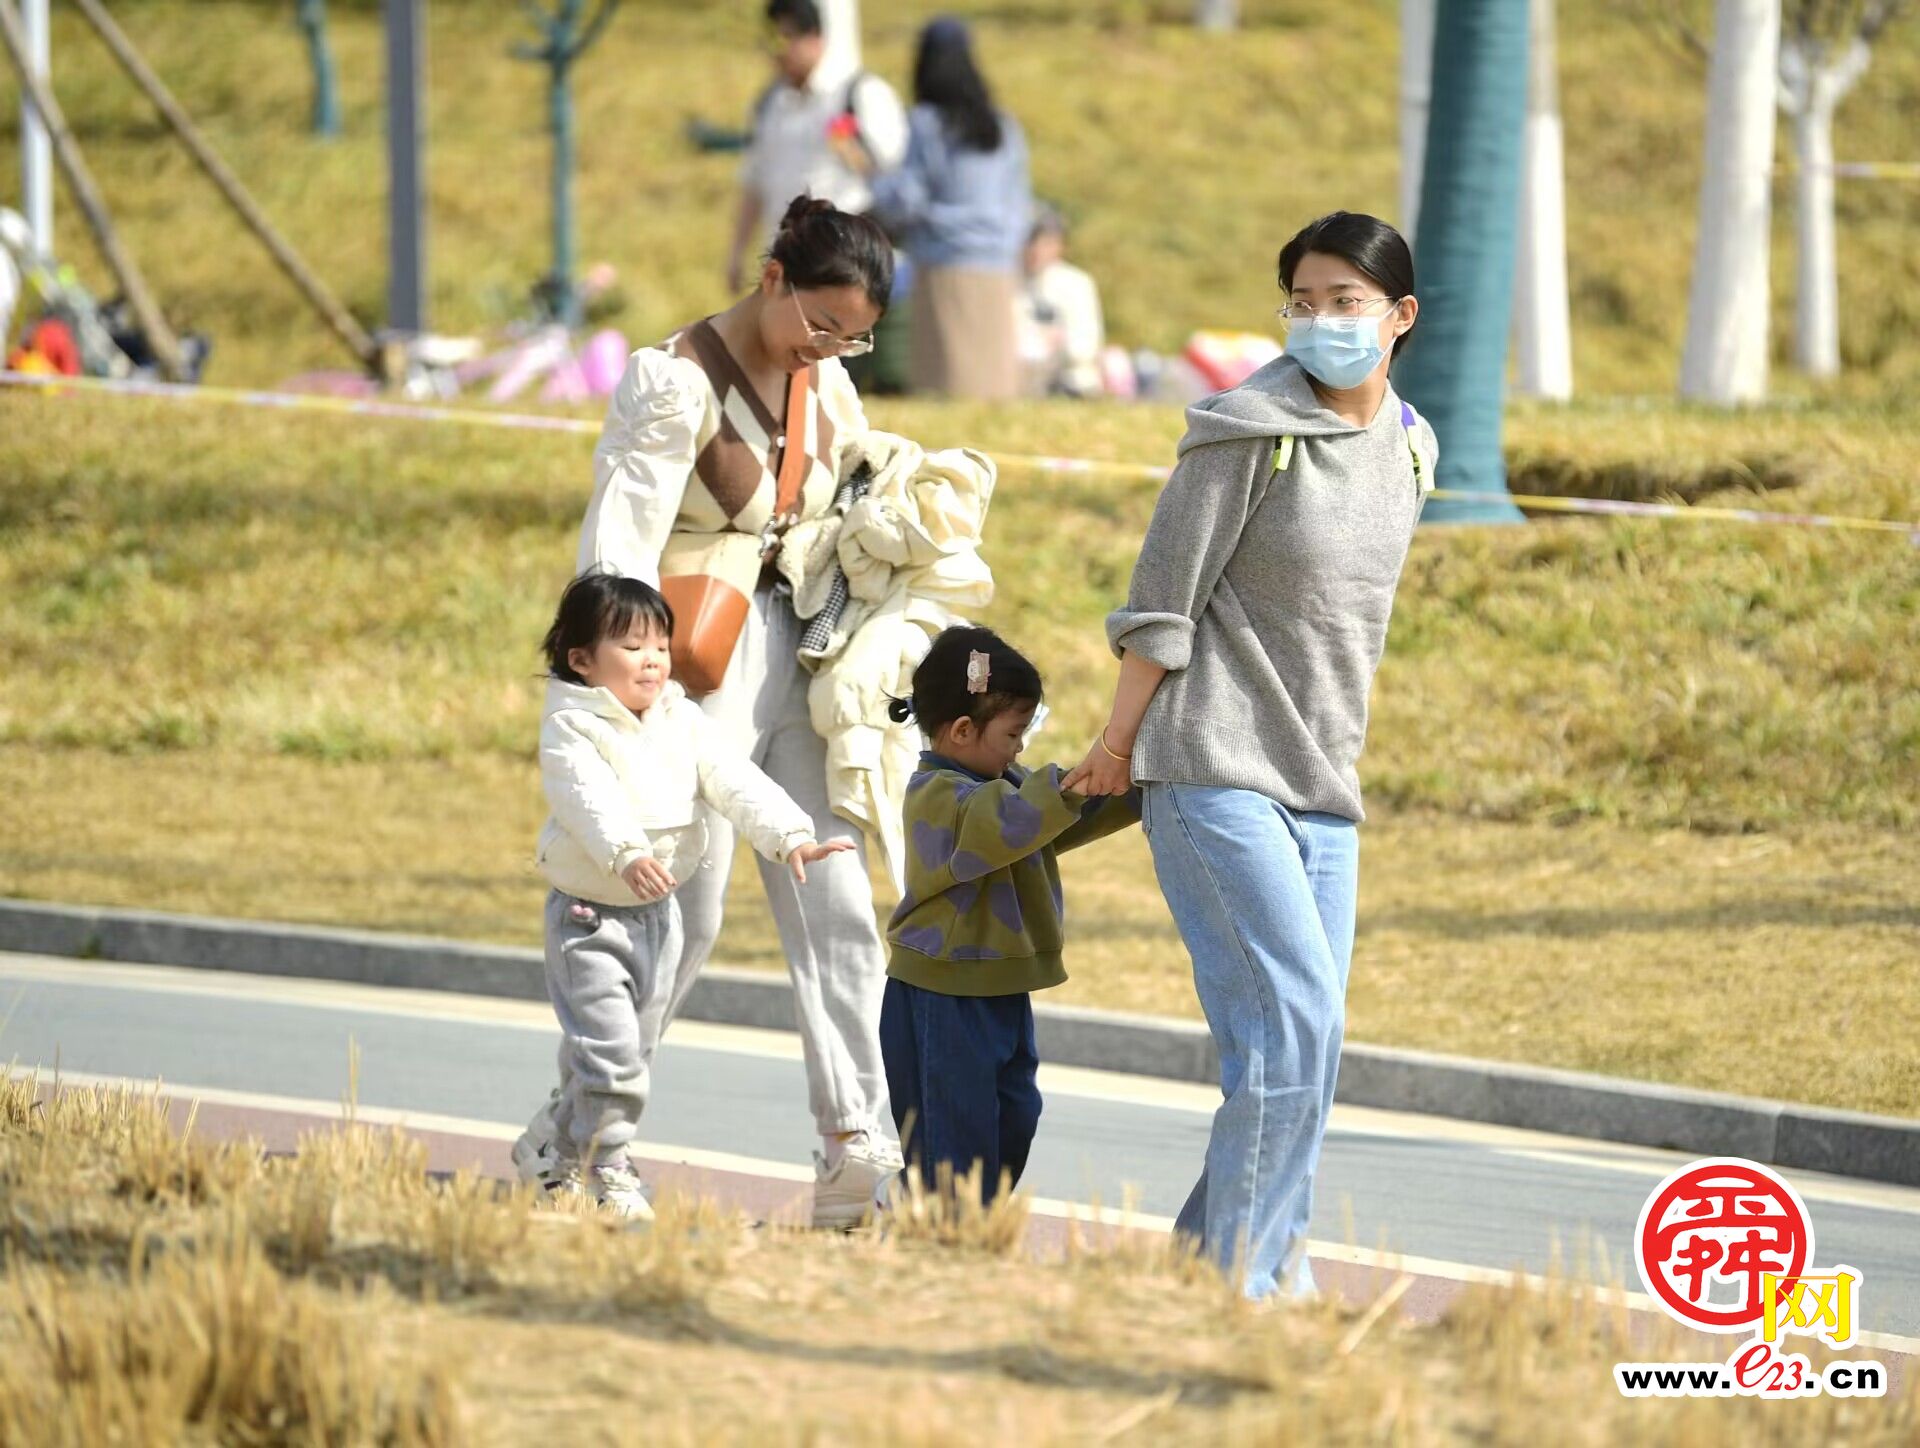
pixel 1254 622
pixel 716 442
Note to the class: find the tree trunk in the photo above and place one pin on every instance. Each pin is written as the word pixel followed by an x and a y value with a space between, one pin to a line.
pixel 326 97
pixel 1811 88
pixel 1456 370
pixel 1725 359
pixel 1416 93
pixel 406 167
pixel 1543 347
pixel 840 29
pixel 1816 342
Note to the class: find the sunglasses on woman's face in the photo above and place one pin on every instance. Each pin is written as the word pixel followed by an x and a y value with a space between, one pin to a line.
pixel 831 343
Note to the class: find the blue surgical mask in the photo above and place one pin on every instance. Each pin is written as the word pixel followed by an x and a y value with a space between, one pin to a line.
pixel 1339 351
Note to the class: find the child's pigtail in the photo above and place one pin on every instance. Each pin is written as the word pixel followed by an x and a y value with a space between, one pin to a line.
pixel 899 710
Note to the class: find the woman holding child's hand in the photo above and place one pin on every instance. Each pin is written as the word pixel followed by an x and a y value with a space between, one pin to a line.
pixel 1253 625
pixel 1108 767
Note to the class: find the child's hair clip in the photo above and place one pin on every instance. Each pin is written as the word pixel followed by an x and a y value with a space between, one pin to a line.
pixel 978 672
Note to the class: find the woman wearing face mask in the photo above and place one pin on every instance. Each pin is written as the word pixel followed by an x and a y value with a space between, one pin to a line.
pixel 1255 619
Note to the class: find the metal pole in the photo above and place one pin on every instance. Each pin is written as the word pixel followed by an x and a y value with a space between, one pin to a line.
pixel 36 153
pixel 406 218
pixel 310 286
pixel 166 347
pixel 566 300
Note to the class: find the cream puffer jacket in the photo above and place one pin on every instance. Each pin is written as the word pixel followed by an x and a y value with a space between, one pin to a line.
pixel 911 553
pixel 624 786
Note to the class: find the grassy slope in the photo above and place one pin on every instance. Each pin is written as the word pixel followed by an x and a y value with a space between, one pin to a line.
pixel 322 701
pixel 1186 160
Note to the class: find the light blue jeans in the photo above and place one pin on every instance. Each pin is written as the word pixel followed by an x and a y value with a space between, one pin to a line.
pixel 1264 899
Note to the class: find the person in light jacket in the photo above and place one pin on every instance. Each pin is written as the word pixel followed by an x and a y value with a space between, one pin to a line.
pixel 626 760
pixel 699 436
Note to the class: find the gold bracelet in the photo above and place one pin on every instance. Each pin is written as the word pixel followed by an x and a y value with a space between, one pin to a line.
pixel 1109 748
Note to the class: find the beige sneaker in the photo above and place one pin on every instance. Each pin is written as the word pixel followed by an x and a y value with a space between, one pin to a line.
pixel 540 1158
pixel 847 1193
pixel 612 1184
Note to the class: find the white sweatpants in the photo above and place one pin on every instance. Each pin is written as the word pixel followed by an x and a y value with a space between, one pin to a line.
pixel 827 928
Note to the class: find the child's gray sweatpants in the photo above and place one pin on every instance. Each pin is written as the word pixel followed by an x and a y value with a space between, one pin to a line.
pixel 610 976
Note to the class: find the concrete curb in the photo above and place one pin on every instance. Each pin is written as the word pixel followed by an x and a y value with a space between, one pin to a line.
pixel 1570 1103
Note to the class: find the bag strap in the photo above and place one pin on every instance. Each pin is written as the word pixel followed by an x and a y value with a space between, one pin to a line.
pixel 1283 450
pixel 796 458
pixel 849 97
pixel 1408 417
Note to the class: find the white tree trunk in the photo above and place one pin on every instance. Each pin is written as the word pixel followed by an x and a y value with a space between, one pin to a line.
pixel 1811 89
pixel 840 29
pixel 1216 14
pixel 36 151
pixel 1725 359
pixel 1416 94
pixel 1816 340
pixel 1543 344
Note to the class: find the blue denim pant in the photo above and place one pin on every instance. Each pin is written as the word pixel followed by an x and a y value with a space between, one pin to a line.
pixel 1264 899
pixel 961 1075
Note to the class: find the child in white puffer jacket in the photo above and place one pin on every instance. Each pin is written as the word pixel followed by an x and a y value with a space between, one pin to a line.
pixel 626 760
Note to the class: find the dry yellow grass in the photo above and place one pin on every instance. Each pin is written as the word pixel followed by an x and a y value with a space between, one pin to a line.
pixel 155 1288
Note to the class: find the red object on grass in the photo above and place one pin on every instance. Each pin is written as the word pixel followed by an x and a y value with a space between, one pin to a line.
pixel 54 341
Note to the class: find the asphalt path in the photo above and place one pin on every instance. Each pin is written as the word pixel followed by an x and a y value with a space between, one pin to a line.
pixel 1448 1202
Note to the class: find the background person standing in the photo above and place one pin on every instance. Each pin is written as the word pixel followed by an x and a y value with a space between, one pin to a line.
pixel 822 129
pixel 961 202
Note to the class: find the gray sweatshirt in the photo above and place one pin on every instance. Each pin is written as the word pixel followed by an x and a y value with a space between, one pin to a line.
pixel 1265 593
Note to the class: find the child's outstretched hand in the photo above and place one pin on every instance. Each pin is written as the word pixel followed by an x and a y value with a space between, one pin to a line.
pixel 649 879
pixel 806 854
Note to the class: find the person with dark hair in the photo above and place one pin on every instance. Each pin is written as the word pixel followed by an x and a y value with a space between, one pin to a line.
pixel 626 761
pixel 979 928
pixel 961 200
pixel 718 442
pixel 822 128
pixel 1248 643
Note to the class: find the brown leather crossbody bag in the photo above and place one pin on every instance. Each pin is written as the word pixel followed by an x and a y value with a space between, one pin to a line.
pixel 708 579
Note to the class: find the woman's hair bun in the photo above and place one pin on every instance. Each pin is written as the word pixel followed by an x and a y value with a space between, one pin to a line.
pixel 819 245
pixel 801 208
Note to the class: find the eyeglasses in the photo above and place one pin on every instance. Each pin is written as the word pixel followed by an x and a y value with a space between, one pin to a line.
pixel 1303 314
pixel 832 344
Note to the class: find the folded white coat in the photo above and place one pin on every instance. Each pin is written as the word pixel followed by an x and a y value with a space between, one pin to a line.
pixel 910 550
